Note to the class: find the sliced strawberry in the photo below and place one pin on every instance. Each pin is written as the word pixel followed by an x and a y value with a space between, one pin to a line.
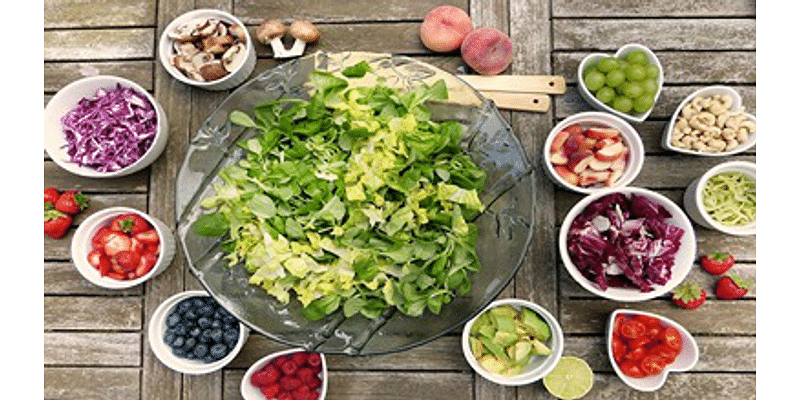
pixel 131 223
pixel 150 249
pixel 117 242
pixel 94 257
pixel 146 263
pixel 117 275
pixel 148 237
pixel 129 260
pixel 137 246
pixel 101 237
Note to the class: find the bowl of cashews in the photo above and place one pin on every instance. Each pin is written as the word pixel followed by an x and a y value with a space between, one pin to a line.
pixel 710 122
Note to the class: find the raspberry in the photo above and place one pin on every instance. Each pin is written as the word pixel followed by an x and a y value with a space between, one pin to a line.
pixel 290 383
pixel 289 367
pixel 271 391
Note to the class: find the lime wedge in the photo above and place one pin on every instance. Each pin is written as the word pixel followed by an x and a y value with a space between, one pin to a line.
pixel 571 379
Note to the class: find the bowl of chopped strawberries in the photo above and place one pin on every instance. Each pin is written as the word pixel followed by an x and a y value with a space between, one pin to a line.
pixel 289 374
pixel 121 247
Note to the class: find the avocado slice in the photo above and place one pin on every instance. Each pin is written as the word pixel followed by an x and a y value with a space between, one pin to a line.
pixel 476 346
pixel 540 349
pixel 535 325
pixel 491 364
pixel 522 351
pixel 487 331
pixel 504 310
pixel 495 349
pixel 505 339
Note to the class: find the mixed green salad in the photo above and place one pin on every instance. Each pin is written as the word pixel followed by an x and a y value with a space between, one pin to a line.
pixel 353 199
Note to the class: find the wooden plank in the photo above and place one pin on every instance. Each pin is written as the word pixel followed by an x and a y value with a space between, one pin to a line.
pixel 717 354
pixel 59 178
pixel 60 74
pixel 92 348
pixel 714 317
pixel 657 34
pixel 653 8
pixel 255 11
pixel 96 313
pixel 681 67
pixel 73 13
pixel 394 38
pixel 677 171
pixel 63 278
pixel 91 383
pixel 109 44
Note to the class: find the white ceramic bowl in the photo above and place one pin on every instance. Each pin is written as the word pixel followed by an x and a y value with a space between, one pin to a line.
pixel 685 361
pixel 234 78
pixel 623 51
pixel 684 258
pixel 539 366
pixel 82 244
pixel 158 326
pixel 629 135
pixel 693 201
pixel 707 92
pixel 67 99
pixel 250 392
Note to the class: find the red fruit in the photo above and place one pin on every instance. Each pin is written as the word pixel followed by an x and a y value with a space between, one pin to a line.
pixel 284 396
pixel 301 393
pixel 716 263
pixel 313 382
pixel 314 395
pixel 149 236
pixel 128 259
pixel 118 276
pixel 689 296
pixel 51 195
pixel 290 382
pixel 299 358
pixel 146 263
pixel 304 373
pixel 732 287
pixel 280 360
pixel 314 359
pixel 271 390
pixel 101 237
pixel 117 241
pixel 289 367
pixel 150 249
pixel 72 202
pixel 130 223
pixel 270 374
pixel 56 223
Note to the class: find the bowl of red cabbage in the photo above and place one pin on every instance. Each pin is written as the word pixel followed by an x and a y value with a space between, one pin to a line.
pixel 628 244
pixel 104 126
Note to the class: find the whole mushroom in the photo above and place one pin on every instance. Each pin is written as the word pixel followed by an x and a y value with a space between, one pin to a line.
pixel 270 32
pixel 303 32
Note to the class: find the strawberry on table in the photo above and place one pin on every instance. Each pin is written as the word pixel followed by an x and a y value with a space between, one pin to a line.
pixel 51 195
pixel 56 223
pixel 689 296
pixel 717 263
pixel 72 202
pixel 732 287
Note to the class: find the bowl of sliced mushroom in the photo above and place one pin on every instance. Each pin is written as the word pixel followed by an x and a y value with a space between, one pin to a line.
pixel 710 122
pixel 208 48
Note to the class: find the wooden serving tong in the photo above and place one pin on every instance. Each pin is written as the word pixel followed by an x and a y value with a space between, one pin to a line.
pixel 518 92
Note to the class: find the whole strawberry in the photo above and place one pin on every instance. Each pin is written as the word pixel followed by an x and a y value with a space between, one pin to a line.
pixel 72 202
pixel 51 195
pixel 56 223
pixel 717 263
pixel 689 296
pixel 732 287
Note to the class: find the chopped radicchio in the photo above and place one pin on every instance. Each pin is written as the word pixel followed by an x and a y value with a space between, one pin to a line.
pixel 111 130
pixel 620 241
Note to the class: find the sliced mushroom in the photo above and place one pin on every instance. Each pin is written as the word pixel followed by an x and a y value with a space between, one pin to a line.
pixel 234 57
pixel 186 49
pixel 238 32
pixel 207 29
pixel 212 71
pixel 217 44
pixel 186 66
pixel 187 30
pixel 202 58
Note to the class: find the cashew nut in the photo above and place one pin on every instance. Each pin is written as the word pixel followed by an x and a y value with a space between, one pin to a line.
pixel 708 124
pixel 688 111
pixel 728 134
pixel 727 101
pixel 741 135
pixel 722 118
pixel 699 146
pixel 717 108
pixel 731 144
pixel 682 124
pixel 749 125
pixel 716 144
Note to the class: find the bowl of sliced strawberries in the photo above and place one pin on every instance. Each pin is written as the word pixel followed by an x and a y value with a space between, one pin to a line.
pixel 590 151
pixel 121 247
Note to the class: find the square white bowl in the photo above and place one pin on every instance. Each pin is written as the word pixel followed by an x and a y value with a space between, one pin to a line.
pixel 693 198
pixel 684 258
pixel 250 392
pixel 539 366
pixel 623 51
pixel 707 92
pixel 685 360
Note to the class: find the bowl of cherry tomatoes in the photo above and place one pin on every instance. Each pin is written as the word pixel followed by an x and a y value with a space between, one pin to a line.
pixel 644 348
pixel 121 247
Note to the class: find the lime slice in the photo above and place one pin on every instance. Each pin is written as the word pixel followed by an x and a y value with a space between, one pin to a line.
pixel 571 379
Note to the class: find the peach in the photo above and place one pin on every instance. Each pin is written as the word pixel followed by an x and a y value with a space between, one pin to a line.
pixel 602 133
pixel 592 177
pixel 559 158
pixel 487 51
pixel 579 161
pixel 444 28
pixel 610 153
pixel 567 175
pixel 612 179
pixel 558 141
pixel 574 128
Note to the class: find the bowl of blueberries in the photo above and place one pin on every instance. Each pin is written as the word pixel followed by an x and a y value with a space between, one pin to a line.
pixel 191 333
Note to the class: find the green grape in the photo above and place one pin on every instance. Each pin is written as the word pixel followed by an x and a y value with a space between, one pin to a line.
pixel 615 77
pixel 594 81
pixel 637 57
pixel 607 64
pixel 651 71
pixel 642 103
pixel 650 87
pixel 590 68
pixel 632 89
pixel 622 104
pixel 605 94
pixel 634 72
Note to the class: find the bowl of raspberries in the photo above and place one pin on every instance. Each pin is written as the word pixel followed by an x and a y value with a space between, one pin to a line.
pixel 289 374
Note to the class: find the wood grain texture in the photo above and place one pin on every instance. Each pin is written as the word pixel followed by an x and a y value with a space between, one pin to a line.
pixel 96 313
pixel 654 8
pixel 59 74
pixel 108 44
pixel 92 348
pixel 98 13
pixel 91 383
pixel 255 11
pixel 58 177
pixel 63 278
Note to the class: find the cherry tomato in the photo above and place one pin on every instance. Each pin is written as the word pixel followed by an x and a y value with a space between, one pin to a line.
pixel 665 352
pixel 653 365
pixel 632 369
pixel 618 349
pixel 653 331
pixel 672 338
pixel 647 320
pixel 632 329
pixel 639 342
pixel 635 354
pixel 617 324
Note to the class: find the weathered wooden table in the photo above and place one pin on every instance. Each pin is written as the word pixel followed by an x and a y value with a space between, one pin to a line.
pixel 94 341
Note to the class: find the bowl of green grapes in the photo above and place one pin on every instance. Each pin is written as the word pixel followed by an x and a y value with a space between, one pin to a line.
pixel 626 84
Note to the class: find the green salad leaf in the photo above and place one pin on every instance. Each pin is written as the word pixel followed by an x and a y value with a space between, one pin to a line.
pixel 354 200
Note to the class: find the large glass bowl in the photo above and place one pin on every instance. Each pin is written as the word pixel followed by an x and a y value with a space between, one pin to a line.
pixel 505 227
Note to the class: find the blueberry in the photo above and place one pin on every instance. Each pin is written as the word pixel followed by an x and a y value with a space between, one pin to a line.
pixel 204 322
pixel 218 350
pixel 229 319
pixel 183 306
pixel 200 350
pixel 205 337
pixel 195 332
pixel 219 314
pixel 178 352
pixel 216 335
pixel 206 310
pixel 173 319
pixel 189 344
pixel 178 342
pixel 169 336
pixel 198 302
pixel 217 324
pixel 188 355
pixel 209 358
pixel 191 314
pixel 230 336
pixel 181 330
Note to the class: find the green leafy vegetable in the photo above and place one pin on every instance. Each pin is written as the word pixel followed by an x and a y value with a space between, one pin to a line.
pixel 352 200
pixel 357 70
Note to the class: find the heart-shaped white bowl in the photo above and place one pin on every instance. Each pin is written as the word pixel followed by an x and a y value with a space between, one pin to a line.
pixel 707 92
pixel 623 51
pixel 685 361
pixel 250 392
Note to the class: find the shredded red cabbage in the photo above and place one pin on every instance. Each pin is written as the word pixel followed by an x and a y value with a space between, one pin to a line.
pixel 110 131
pixel 624 242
